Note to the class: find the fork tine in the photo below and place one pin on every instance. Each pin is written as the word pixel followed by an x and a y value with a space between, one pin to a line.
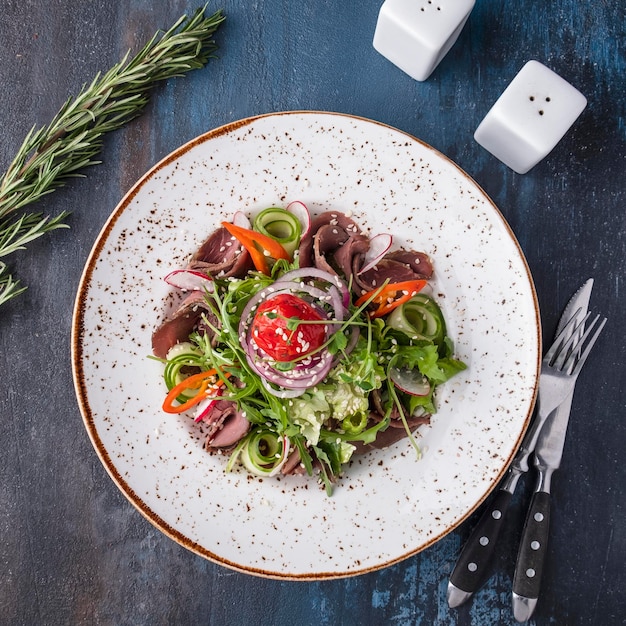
pixel 578 363
pixel 556 344
pixel 568 348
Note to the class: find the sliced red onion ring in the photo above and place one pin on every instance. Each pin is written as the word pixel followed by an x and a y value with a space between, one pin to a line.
pixel 271 292
pixel 283 286
pixel 301 211
pixel 190 280
pixel 330 296
pixel 379 246
pixel 282 393
pixel 313 370
pixel 297 378
pixel 307 372
pixel 313 272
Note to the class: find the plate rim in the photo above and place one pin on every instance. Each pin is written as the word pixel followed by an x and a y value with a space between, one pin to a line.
pixel 82 395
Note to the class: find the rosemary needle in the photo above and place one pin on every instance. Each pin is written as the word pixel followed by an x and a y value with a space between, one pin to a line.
pixel 51 154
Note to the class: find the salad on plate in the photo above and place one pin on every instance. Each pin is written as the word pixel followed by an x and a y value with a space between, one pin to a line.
pixel 301 341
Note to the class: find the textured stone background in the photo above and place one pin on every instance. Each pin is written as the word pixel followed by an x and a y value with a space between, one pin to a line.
pixel 73 550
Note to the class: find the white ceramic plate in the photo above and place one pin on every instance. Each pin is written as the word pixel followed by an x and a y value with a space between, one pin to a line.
pixel 389 505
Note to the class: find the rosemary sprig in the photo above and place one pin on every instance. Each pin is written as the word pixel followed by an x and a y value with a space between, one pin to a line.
pixel 53 153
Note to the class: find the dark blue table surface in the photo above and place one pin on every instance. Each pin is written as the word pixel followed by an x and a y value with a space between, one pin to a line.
pixel 73 550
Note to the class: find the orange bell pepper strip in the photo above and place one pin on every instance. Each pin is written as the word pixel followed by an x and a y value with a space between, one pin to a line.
pixel 204 382
pixel 260 246
pixel 391 296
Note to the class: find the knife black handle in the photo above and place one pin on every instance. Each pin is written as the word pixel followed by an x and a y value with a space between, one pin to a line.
pixel 472 568
pixel 533 547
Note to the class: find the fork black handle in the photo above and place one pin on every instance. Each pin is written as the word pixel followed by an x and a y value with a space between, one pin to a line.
pixel 473 565
pixel 531 556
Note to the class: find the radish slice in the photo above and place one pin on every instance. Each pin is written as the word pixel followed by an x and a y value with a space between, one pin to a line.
pixel 412 382
pixel 241 219
pixel 379 246
pixel 189 280
pixel 301 211
pixel 207 404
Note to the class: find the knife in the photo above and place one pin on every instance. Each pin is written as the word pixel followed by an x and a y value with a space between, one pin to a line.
pixel 472 567
pixel 547 459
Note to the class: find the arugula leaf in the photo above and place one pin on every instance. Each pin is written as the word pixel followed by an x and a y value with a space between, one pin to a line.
pixel 425 402
pixel 252 413
pixel 338 342
pixel 305 456
pixel 426 358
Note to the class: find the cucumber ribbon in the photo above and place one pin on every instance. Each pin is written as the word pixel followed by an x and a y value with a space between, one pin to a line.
pixel 280 225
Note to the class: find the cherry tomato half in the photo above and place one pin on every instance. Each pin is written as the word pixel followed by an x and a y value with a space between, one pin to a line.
pixel 281 342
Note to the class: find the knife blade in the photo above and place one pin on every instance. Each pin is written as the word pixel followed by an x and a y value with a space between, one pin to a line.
pixel 472 567
pixel 547 459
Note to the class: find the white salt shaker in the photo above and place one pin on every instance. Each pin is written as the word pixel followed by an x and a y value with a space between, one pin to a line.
pixel 530 117
pixel 416 34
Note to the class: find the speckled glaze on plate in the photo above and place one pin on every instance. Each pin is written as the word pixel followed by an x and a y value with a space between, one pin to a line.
pixel 389 505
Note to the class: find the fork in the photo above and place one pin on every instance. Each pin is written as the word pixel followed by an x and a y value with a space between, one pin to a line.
pixel 564 360
pixel 559 370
